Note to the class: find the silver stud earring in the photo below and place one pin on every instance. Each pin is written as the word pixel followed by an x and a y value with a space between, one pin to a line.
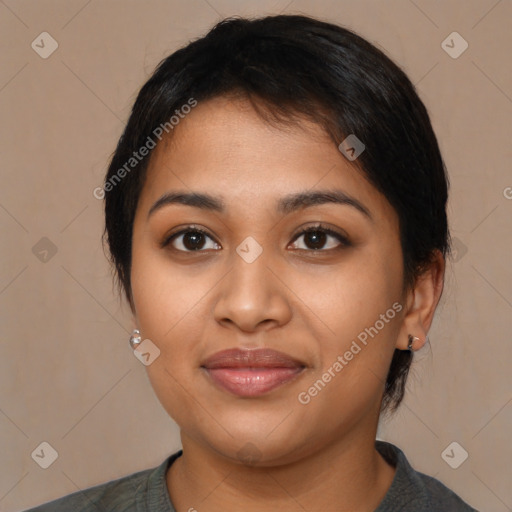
pixel 135 339
pixel 411 340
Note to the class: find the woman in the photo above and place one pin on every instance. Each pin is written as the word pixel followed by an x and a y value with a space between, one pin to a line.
pixel 276 216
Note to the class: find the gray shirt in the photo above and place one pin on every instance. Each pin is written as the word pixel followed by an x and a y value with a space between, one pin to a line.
pixel 146 491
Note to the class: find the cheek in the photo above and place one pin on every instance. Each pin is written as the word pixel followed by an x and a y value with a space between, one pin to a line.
pixel 166 302
pixel 165 295
pixel 361 305
pixel 173 304
pixel 351 296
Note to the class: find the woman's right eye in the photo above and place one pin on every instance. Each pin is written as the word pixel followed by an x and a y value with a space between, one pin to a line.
pixel 189 240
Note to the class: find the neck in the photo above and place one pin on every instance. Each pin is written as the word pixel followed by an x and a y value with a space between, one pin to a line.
pixel 347 475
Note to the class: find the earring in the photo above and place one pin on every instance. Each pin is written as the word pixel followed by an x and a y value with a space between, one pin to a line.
pixel 411 339
pixel 135 339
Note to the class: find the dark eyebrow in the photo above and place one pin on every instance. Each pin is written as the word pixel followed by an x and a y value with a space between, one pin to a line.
pixel 301 200
pixel 285 205
pixel 198 200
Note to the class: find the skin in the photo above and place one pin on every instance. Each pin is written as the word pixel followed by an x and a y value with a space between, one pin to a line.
pixel 309 304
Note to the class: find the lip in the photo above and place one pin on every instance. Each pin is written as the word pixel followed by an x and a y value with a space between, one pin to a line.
pixel 251 372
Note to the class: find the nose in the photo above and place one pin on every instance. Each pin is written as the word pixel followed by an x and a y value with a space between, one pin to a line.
pixel 251 297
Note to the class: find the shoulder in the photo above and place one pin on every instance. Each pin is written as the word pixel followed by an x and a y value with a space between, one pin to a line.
pixel 125 494
pixel 413 491
pixel 443 498
pixel 117 495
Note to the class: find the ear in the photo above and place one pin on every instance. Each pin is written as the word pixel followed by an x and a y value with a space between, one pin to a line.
pixel 129 301
pixel 421 303
pixel 134 321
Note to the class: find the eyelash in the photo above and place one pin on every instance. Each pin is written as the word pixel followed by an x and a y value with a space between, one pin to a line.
pixel 318 228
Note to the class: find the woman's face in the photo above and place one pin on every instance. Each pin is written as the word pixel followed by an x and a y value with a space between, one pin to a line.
pixel 254 281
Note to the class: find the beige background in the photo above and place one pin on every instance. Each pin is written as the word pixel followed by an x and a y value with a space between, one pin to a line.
pixel 67 374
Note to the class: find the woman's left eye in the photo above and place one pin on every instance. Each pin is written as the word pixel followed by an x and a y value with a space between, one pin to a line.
pixel 315 238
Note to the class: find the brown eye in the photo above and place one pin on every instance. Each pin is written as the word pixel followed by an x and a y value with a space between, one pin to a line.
pixel 316 237
pixel 190 240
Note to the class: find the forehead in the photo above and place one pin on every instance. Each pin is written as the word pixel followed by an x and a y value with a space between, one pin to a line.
pixel 223 147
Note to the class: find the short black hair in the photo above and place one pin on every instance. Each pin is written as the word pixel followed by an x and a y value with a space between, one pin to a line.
pixel 292 67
